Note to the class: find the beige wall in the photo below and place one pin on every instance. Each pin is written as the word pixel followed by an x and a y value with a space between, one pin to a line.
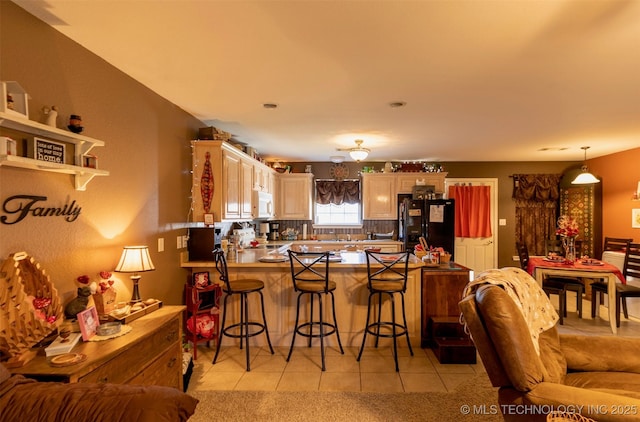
pixel 147 152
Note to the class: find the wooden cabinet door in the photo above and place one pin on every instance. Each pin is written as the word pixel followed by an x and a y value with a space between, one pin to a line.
pixel 379 199
pixel 232 186
pixel 295 196
pixel 406 181
pixel 246 188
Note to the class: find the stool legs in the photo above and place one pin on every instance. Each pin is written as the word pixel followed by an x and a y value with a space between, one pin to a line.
pixel 243 326
pixel 321 324
pixel 369 327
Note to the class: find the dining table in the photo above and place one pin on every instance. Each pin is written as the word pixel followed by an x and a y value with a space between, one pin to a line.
pixel 542 267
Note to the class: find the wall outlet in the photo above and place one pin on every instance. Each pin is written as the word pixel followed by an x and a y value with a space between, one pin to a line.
pixel 179 242
pixel 161 244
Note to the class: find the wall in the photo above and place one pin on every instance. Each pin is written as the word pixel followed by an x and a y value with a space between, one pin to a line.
pixel 146 150
pixel 620 174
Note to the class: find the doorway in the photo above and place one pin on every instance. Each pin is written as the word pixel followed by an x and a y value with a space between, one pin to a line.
pixel 480 253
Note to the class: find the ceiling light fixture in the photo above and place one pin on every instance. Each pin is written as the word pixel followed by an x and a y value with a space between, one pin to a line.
pixel 336 159
pixel 397 104
pixel 358 153
pixel 270 105
pixel 585 178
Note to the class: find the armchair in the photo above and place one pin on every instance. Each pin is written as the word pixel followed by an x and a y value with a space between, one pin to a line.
pixel 597 376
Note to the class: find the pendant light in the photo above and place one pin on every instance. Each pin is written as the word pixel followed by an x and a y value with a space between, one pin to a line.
pixel 585 178
pixel 358 153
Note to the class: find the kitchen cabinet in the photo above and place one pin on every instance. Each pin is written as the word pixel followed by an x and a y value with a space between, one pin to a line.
pixel 406 181
pixel 262 178
pixel 223 180
pixel 379 196
pixel 82 145
pixel 295 196
pixel 442 289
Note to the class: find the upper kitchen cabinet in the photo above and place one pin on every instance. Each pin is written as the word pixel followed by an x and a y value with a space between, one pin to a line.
pixel 263 178
pixel 406 181
pixel 379 196
pixel 223 181
pixel 295 196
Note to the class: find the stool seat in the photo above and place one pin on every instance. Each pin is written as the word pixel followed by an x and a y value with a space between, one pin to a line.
pixel 244 328
pixel 386 277
pixel 243 286
pixel 310 276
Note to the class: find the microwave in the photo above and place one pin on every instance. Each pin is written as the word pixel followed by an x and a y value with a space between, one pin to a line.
pixel 262 204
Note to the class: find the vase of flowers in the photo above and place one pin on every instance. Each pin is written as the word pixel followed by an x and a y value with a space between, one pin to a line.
pixel 568 231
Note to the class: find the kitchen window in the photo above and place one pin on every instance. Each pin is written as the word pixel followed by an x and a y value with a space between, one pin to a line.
pixel 338 203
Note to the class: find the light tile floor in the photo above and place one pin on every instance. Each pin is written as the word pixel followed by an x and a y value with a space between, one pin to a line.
pixel 374 373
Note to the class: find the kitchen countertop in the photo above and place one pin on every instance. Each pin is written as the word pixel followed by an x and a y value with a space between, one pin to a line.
pixel 250 257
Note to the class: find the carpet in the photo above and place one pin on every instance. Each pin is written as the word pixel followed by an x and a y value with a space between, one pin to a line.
pixel 474 400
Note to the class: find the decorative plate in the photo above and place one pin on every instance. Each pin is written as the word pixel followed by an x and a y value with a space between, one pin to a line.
pixel 339 171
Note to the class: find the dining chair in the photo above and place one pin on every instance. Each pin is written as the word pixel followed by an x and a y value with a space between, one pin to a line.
pixel 310 276
pixel 386 277
pixel 623 291
pixel 616 244
pixel 555 285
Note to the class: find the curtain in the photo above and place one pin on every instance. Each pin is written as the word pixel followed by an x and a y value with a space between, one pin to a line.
pixel 473 210
pixel 536 197
pixel 337 192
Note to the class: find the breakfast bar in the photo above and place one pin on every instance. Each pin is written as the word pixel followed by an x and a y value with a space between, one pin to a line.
pixel 350 274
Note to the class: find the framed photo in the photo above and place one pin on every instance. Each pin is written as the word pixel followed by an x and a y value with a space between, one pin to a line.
pixel 49 151
pixel 201 280
pixel 88 321
pixel 635 218
pixel 208 219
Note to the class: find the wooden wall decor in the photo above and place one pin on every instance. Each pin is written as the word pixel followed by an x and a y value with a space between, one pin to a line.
pixel 30 308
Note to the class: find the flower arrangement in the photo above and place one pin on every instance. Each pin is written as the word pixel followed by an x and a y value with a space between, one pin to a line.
pixel 289 234
pixel 567 226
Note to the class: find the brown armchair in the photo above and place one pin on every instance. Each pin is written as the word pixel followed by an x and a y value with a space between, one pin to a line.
pixel 597 376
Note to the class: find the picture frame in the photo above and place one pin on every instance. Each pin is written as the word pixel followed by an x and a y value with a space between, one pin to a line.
pixel 48 151
pixel 635 218
pixel 88 321
pixel 208 219
pixel 201 280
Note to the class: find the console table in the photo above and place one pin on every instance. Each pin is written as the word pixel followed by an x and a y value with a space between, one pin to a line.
pixel 441 291
pixel 150 354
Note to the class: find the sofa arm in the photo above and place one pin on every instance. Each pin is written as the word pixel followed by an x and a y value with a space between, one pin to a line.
pixel 601 353
pixel 597 405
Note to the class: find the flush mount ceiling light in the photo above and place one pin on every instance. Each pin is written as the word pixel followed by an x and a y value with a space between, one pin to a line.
pixel 585 178
pixel 336 159
pixel 358 153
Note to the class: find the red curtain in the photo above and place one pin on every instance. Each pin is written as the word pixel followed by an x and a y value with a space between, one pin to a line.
pixel 473 210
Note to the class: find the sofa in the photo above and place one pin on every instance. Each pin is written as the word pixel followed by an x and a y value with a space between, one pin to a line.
pixel 596 376
pixel 23 399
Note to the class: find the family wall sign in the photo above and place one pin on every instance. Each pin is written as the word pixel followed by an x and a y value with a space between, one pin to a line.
pixel 18 207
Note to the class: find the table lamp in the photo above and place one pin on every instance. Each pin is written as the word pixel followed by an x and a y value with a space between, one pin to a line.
pixel 135 259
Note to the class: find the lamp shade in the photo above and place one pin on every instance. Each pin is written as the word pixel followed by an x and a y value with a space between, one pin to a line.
pixel 135 259
pixel 359 154
pixel 585 178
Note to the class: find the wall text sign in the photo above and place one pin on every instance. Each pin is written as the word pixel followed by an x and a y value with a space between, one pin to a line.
pixel 16 208
pixel 49 151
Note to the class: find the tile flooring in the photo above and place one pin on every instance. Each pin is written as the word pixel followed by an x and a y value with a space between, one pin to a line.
pixel 374 373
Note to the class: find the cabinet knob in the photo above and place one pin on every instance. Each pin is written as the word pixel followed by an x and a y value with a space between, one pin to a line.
pixel 171 362
pixel 172 336
pixel 103 380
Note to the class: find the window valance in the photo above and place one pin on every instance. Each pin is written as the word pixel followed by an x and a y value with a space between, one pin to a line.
pixel 536 187
pixel 337 192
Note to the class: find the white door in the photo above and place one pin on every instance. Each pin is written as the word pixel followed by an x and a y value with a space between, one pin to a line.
pixel 481 253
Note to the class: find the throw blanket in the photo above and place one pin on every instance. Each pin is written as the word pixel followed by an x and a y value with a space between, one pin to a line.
pixel 528 296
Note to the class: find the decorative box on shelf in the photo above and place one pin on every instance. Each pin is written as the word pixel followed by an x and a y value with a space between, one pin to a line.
pixel 15 99
pixel 8 146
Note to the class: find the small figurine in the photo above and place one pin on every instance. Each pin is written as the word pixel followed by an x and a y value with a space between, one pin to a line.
pixel 75 123
pixel 78 304
pixel 52 116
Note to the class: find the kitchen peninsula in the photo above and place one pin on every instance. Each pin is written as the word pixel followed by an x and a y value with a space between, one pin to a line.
pixel 350 274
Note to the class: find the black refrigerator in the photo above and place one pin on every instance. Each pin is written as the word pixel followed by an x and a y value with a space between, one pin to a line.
pixel 433 219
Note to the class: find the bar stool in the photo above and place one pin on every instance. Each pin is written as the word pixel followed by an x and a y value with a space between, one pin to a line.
pixel 387 275
pixel 310 276
pixel 243 288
